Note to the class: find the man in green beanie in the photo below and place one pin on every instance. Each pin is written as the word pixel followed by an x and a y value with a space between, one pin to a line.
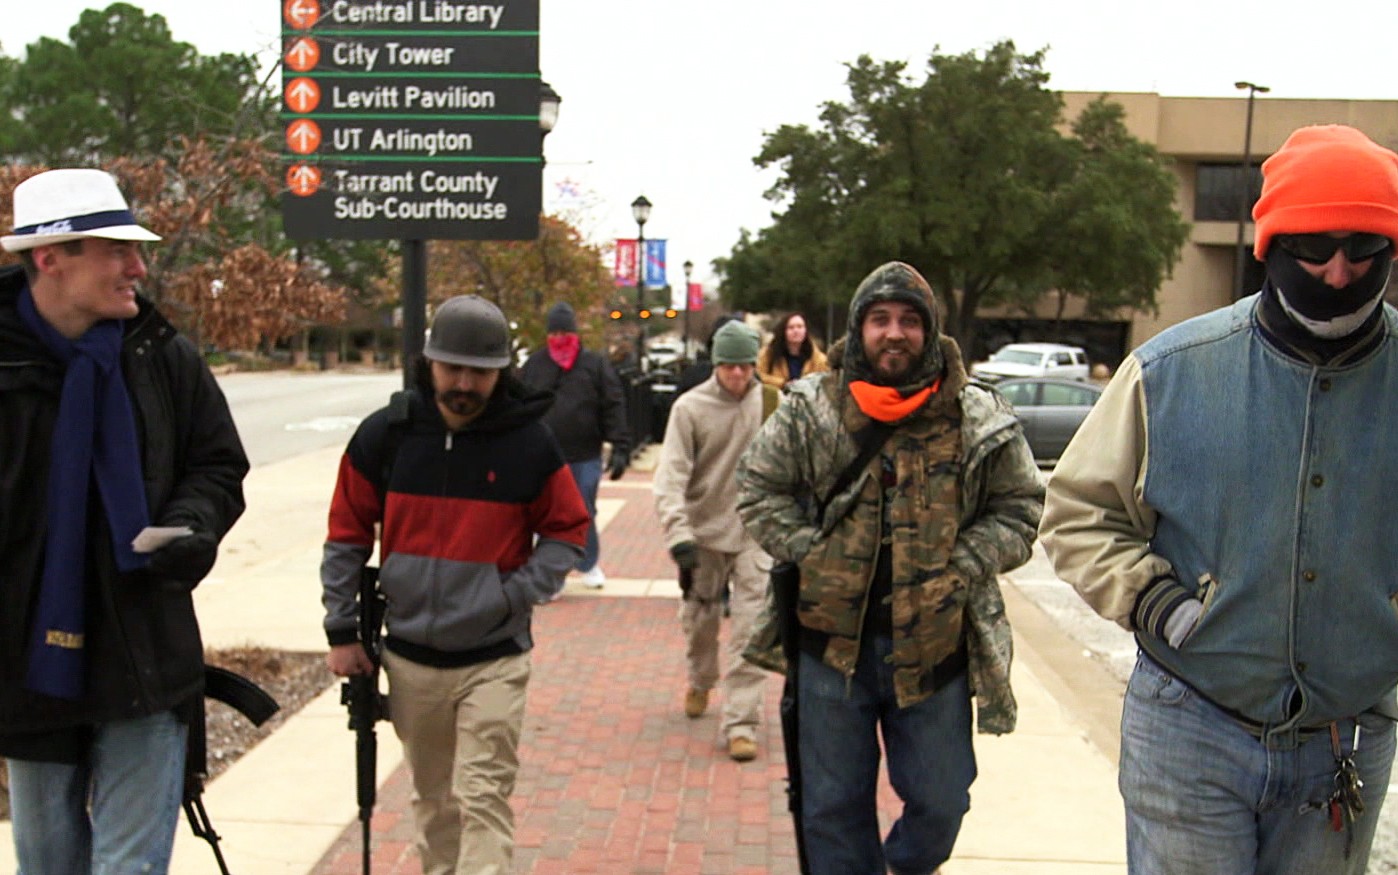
pixel 696 498
pixel 900 614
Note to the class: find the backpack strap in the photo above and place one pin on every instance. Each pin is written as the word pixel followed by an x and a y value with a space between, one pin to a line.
pixel 870 439
pixel 399 413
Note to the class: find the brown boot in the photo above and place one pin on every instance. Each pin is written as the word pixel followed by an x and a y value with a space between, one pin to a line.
pixel 696 702
pixel 742 749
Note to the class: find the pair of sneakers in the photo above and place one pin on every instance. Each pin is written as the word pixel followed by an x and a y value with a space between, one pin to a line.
pixel 593 578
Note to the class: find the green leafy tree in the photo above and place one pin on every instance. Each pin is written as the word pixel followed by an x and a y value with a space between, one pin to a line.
pixel 194 140
pixel 123 85
pixel 968 176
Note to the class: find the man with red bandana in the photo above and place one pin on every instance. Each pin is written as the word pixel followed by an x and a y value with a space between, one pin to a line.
pixel 589 407
pixel 1225 502
pixel 900 611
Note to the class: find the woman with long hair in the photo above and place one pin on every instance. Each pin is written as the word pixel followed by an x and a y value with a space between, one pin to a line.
pixel 791 354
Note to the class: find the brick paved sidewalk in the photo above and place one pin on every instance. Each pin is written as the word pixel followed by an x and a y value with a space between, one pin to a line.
pixel 613 777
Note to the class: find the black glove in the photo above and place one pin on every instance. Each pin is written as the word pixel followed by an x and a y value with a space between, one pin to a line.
pixel 187 559
pixel 686 555
pixel 620 458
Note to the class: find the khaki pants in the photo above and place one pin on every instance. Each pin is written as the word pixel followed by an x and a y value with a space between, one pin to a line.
pixel 700 617
pixel 460 731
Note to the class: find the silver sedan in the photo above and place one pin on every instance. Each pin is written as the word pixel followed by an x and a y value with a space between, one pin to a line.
pixel 1050 410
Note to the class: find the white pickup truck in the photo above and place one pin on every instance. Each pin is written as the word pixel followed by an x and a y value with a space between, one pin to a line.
pixel 1033 360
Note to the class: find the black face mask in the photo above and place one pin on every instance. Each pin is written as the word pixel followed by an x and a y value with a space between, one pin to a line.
pixel 1315 300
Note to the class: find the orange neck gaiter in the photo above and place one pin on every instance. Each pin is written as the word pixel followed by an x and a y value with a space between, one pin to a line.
pixel 884 403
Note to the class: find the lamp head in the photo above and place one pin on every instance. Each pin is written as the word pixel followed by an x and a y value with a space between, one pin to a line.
pixel 548 107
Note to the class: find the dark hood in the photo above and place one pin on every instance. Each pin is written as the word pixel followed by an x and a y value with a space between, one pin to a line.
pixel 894 281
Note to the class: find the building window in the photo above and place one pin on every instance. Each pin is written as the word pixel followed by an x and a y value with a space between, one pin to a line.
pixel 1216 189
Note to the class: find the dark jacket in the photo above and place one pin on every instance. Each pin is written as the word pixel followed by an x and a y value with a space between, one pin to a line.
pixel 144 650
pixel 478 526
pixel 588 404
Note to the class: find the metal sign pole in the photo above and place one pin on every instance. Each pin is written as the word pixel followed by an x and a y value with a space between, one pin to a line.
pixel 414 305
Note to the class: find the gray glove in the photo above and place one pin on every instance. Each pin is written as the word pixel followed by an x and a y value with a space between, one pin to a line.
pixel 1167 610
pixel 1182 621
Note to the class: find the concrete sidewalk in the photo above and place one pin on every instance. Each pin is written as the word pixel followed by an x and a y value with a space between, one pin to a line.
pixel 614 779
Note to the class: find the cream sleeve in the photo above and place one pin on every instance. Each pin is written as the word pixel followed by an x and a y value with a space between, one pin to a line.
pixel 1096 526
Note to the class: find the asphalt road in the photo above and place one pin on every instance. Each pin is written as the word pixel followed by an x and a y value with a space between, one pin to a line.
pixel 281 414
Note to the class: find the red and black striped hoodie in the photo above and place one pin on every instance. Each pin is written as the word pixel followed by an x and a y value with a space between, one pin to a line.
pixel 477 527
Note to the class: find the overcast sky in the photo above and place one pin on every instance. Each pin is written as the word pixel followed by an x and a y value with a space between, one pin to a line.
pixel 672 99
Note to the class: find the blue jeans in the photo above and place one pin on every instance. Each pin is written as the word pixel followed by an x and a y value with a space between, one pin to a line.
pixel 1205 797
pixel 588 476
pixel 931 765
pixel 134 778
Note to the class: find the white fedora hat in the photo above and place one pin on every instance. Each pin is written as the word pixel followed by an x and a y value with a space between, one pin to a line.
pixel 61 205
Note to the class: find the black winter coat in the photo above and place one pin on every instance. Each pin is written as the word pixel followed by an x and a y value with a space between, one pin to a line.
pixel 588 404
pixel 145 654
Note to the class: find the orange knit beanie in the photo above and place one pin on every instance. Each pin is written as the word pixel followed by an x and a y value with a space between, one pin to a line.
pixel 1327 178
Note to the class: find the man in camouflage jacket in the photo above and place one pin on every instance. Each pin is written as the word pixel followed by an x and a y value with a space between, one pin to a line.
pixel 900 611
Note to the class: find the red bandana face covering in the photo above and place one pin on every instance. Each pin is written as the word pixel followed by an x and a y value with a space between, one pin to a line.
pixel 885 404
pixel 564 350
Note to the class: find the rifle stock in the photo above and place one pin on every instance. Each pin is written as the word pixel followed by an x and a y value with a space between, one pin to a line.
pixel 366 705
pixel 248 699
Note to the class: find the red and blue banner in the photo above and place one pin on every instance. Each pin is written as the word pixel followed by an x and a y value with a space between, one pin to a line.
pixel 695 300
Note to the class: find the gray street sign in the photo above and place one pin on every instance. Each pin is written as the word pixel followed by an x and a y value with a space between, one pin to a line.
pixel 411 119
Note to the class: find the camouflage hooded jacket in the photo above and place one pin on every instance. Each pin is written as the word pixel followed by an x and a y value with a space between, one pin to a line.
pixel 992 481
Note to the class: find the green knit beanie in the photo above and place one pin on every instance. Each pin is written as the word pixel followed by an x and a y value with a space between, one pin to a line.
pixel 736 344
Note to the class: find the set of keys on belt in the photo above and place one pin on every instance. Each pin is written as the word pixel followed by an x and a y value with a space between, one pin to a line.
pixel 1346 803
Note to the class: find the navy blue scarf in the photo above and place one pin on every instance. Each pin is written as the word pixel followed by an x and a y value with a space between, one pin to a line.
pixel 94 437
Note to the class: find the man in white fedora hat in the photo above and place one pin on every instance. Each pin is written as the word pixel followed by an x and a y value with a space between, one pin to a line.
pixel 120 471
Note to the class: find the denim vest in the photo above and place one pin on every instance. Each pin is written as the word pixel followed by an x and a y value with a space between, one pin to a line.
pixel 1272 479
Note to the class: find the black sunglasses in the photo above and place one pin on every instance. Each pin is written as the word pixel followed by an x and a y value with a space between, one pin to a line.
pixel 1320 248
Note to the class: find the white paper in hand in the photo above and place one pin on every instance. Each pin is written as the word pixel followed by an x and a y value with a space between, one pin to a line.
pixel 152 538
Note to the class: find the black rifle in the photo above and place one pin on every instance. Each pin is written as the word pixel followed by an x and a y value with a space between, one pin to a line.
pixel 360 694
pixel 248 699
pixel 786 587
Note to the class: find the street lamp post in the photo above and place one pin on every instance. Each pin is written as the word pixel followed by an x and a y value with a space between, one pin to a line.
pixel 640 211
pixel 688 271
pixel 1244 188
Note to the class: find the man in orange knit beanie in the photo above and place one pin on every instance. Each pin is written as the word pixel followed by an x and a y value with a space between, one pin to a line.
pixel 1223 501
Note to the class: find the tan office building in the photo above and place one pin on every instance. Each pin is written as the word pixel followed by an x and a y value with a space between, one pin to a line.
pixel 1203 138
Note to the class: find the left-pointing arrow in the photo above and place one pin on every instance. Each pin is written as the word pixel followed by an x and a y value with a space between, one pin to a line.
pixel 301 14
pixel 303 136
pixel 302 94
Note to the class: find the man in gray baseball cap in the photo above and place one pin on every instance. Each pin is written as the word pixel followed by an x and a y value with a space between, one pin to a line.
pixel 478 521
